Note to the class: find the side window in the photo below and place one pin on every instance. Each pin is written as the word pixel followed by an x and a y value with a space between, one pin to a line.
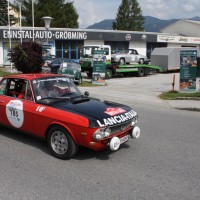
pixel 3 86
pixel 13 88
pixel 29 95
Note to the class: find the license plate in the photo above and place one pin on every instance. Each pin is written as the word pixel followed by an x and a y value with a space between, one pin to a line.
pixel 124 139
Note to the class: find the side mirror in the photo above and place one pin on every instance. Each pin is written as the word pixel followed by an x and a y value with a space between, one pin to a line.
pixel 86 93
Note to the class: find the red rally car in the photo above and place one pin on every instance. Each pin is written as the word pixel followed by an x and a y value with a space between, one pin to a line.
pixel 51 107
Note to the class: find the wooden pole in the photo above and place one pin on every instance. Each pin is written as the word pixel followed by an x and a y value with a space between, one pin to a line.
pixel 173 83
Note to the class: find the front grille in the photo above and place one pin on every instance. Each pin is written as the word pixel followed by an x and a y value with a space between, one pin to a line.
pixel 120 128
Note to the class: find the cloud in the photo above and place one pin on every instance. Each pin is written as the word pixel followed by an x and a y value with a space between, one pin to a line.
pixel 94 11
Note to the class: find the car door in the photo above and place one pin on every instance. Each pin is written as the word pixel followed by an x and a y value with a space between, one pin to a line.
pixel 15 112
pixel 132 54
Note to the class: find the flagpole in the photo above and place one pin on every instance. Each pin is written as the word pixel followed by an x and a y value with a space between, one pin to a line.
pixel 33 19
pixel 9 28
pixel 20 22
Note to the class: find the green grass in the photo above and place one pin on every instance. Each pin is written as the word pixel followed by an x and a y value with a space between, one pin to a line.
pixel 173 95
pixel 88 84
pixel 3 72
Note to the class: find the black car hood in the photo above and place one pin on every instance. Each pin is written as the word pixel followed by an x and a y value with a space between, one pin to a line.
pixel 99 113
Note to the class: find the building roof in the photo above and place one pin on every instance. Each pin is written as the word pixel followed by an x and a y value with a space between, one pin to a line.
pixel 184 27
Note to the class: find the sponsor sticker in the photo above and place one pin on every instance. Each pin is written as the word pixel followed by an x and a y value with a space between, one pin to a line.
pixel 114 111
pixel 15 113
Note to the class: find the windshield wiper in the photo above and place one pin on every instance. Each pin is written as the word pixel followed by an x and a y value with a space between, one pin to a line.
pixel 52 100
pixel 80 99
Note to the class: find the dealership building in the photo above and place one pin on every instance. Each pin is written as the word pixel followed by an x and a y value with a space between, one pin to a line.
pixel 67 42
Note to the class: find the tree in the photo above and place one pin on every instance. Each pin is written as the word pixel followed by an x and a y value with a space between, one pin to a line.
pixel 129 16
pixel 63 14
pixel 3 13
pixel 27 57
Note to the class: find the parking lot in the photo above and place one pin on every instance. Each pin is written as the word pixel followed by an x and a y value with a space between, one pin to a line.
pixel 143 91
pixel 140 90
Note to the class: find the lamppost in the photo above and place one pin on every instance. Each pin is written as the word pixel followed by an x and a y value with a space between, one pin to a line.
pixel 47 22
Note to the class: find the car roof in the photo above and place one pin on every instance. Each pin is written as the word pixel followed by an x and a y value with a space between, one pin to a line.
pixel 31 76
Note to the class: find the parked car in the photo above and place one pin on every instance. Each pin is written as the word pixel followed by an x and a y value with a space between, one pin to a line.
pixel 47 59
pixel 129 56
pixel 54 65
pixel 72 69
pixel 54 110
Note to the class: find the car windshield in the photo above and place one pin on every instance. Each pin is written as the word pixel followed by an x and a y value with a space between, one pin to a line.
pixel 123 51
pixel 88 52
pixel 55 88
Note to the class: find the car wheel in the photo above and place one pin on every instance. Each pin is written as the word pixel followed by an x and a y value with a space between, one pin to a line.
pixel 89 74
pixel 108 74
pixel 141 61
pixel 60 143
pixel 122 61
pixel 141 72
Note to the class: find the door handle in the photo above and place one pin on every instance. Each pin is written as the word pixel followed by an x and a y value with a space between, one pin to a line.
pixel 2 101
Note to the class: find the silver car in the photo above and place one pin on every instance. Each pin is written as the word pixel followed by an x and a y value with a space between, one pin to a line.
pixel 129 56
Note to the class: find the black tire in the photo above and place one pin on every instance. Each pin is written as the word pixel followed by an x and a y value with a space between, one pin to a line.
pixel 109 74
pixel 122 61
pixel 141 61
pixel 60 143
pixel 141 72
pixel 89 74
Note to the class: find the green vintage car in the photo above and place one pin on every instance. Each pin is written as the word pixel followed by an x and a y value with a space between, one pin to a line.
pixel 72 69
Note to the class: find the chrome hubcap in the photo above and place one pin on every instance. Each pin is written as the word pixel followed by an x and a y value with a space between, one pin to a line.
pixel 59 142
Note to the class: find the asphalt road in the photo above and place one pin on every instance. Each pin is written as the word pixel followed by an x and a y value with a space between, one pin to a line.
pixel 162 164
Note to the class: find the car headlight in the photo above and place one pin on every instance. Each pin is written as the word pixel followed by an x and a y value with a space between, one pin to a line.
pixel 102 133
pixel 134 121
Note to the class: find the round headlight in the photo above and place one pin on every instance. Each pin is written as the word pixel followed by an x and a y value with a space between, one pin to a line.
pixel 107 132
pixel 134 121
pixel 98 134
pixel 101 133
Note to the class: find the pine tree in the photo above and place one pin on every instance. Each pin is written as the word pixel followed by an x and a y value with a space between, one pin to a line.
pixel 3 13
pixel 64 14
pixel 129 16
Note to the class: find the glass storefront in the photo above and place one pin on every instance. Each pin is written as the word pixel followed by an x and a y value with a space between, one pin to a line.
pixel 68 48
pixel 116 45
pixel 152 45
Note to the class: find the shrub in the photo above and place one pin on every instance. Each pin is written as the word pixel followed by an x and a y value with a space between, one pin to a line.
pixel 27 57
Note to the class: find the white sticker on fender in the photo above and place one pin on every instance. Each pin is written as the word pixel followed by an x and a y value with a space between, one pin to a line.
pixel 14 112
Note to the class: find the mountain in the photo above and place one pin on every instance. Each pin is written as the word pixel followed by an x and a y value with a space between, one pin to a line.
pixel 151 24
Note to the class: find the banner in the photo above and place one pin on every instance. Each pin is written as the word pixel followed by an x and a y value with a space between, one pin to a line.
pixel 99 67
pixel 188 71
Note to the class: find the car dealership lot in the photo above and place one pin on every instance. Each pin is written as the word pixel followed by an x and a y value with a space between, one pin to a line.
pixel 137 90
pixel 143 91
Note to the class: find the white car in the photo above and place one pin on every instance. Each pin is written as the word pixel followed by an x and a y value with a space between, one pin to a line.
pixel 128 56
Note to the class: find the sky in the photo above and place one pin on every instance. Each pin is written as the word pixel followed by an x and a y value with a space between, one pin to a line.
pixel 94 11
